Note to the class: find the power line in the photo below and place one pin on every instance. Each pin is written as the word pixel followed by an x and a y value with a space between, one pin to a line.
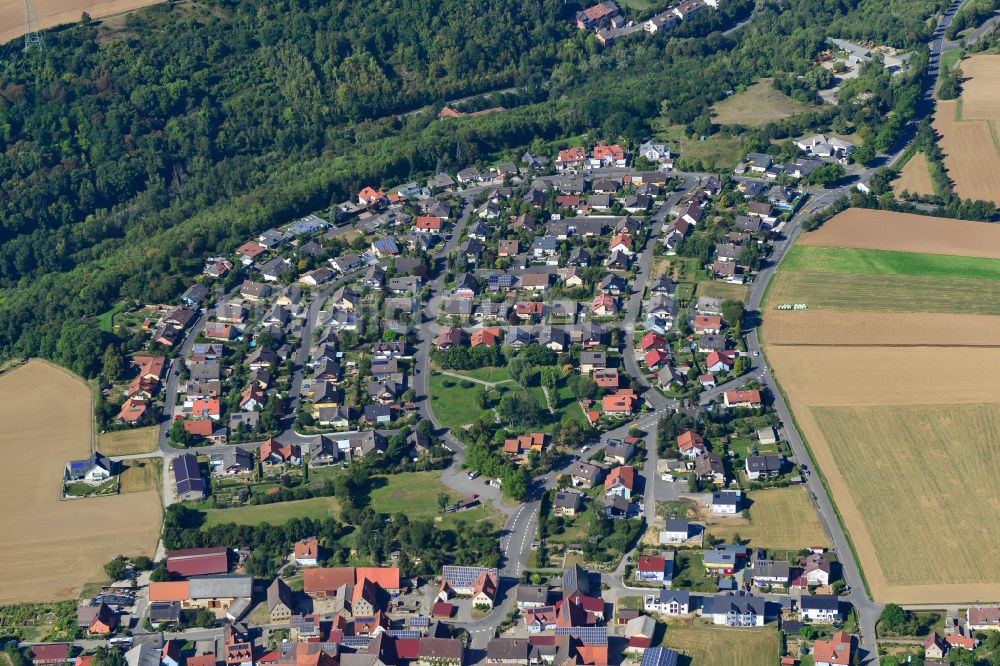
pixel 32 37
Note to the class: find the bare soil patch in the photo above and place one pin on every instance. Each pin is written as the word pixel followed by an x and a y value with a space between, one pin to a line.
pixel 915 177
pixel 51 548
pixel 905 232
pixel 57 12
pixel 886 329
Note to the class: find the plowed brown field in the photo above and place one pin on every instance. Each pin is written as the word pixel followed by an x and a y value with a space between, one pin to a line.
pixel 903 232
pixel 51 547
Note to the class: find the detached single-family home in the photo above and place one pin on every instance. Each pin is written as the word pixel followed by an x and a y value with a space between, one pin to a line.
pixel 668 602
pixel 735 610
pixel 620 481
pixel 749 399
pixel 834 652
pixel 727 501
pixel 656 569
pixel 824 608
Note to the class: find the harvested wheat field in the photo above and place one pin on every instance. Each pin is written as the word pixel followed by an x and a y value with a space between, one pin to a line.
pixel 79 535
pixel 880 329
pixel 129 441
pixel 970 153
pixel 57 12
pixel 915 177
pixel 905 232
pixel 903 439
pixel 981 89
pixel 936 458
pixel 780 518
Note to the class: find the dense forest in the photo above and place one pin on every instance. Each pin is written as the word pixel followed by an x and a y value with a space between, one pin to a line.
pixel 132 151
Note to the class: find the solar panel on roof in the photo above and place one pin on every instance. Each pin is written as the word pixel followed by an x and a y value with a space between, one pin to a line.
pixel 464 576
pixel 419 621
pixel 589 635
pixel 404 633
pixel 356 641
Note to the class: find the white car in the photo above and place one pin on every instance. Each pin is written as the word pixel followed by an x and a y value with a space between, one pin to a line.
pixel 667 477
pixel 585 449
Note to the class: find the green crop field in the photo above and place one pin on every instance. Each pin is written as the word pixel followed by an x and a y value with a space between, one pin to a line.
pixel 886 293
pixel 817 259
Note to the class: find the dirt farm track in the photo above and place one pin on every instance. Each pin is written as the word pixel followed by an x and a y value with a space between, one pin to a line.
pixel 51 548
pixel 56 12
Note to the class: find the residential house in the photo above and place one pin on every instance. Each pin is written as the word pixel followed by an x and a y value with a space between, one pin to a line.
pixel 763 467
pixel 727 502
pixel 668 602
pixel 585 475
pixel 766 573
pixel 735 610
pixel 676 530
pixel 817 569
pixel 822 608
pixel 837 651
pixel 566 503
pixel 709 468
pixel 187 477
pixel 280 604
pixel 273 454
pixel 749 399
pixel 620 481
pixel 656 569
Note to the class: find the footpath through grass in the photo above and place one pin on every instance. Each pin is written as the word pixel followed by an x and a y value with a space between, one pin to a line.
pixel 817 259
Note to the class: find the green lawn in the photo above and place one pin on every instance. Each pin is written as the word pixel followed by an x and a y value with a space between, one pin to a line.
pixel 276 514
pixel 416 495
pixel 106 320
pixel 493 375
pixel 690 573
pixel 813 259
pixel 453 405
pixel 724 290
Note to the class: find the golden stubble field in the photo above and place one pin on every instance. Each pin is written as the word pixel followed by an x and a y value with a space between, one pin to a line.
pixel 891 381
pixel 905 438
pixel 915 177
pixel 969 130
pixel 51 548
pixel 56 12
